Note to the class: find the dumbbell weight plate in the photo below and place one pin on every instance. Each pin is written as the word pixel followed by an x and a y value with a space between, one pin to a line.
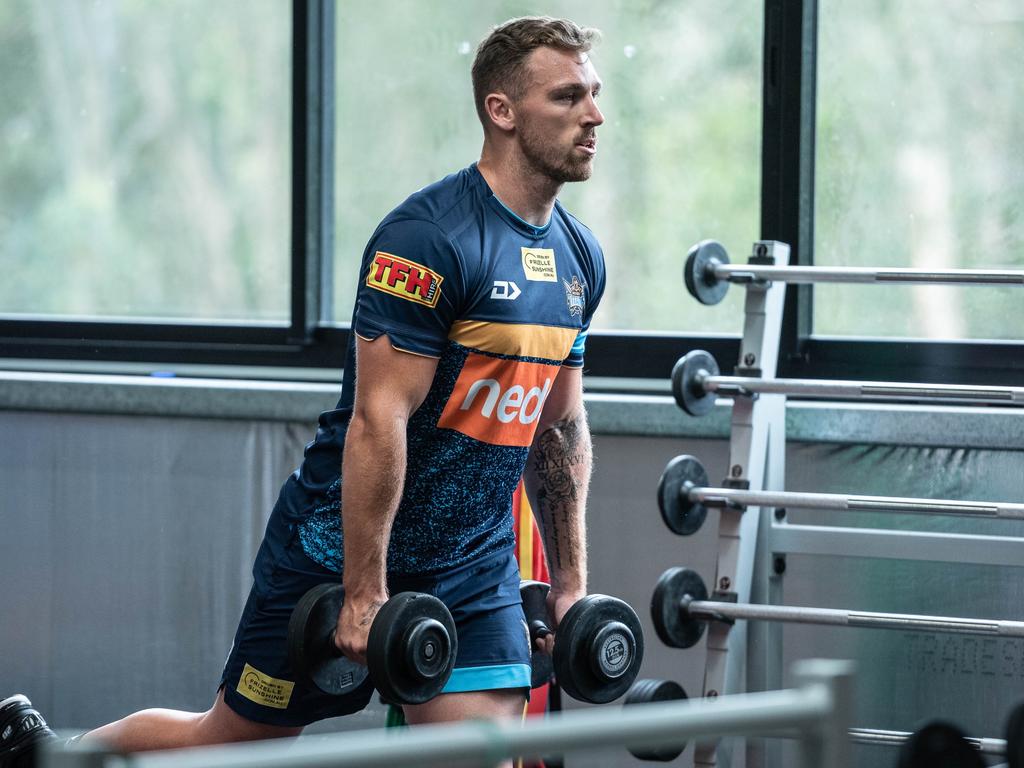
pixel 645 692
pixel 700 282
pixel 675 628
pixel 939 745
pixel 411 649
pixel 689 394
pixel 599 646
pixel 681 515
pixel 311 648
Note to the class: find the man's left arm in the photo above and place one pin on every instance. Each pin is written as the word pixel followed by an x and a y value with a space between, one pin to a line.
pixel 557 478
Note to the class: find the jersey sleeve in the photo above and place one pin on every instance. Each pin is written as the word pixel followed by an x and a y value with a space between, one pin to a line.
pixel 594 290
pixel 411 286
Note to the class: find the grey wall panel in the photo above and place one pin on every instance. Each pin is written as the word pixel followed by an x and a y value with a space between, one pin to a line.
pixel 127 545
pixel 906 678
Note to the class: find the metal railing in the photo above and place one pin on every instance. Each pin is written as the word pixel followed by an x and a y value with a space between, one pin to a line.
pixel 819 710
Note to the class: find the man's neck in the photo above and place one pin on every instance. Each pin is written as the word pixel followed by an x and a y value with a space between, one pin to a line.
pixel 528 194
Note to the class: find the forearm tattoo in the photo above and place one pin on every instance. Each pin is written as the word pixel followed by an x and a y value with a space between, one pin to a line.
pixel 561 463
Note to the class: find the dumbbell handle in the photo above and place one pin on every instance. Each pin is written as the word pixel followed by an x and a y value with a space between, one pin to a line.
pixel 539 629
pixel 534 596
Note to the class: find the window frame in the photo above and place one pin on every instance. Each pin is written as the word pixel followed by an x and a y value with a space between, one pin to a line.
pixel 310 341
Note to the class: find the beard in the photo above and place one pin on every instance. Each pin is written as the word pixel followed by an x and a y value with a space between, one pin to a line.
pixel 549 159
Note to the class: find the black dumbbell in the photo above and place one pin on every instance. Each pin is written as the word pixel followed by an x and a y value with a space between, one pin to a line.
pixel 410 652
pixel 599 645
pixel 939 745
pixel 646 692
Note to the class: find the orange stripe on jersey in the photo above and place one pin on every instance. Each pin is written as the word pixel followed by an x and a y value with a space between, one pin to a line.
pixel 498 401
pixel 544 341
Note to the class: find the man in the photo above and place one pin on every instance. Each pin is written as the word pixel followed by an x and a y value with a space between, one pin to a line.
pixel 464 374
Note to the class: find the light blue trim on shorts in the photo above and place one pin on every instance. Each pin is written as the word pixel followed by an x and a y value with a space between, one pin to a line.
pixel 488 678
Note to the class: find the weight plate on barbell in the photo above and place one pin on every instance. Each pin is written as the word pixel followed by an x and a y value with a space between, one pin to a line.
pixel 698 272
pixel 1015 737
pixel 599 646
pixel 311 649
pixel 674 626
pixel 681 515
pixel 687 387
pixel 411 649
pixel 646 692
pixel 939 745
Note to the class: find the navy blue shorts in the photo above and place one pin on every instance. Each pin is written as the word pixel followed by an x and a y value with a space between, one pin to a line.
pixel 260 685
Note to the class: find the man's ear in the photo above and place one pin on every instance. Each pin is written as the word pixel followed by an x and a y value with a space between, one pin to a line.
pixel 500 111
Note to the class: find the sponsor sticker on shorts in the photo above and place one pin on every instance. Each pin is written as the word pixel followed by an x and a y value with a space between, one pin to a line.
pixel 539 265
pixel 264 689
pixel 404 279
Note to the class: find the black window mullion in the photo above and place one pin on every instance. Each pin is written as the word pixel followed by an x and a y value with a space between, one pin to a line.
pixel 312 165
pixel 787 155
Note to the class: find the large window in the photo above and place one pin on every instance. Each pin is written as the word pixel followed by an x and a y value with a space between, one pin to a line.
pixel 187 182
pixel 144 159
pixel 920 124
pixel 679 152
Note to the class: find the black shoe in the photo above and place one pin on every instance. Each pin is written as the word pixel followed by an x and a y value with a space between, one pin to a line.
pixel 22 731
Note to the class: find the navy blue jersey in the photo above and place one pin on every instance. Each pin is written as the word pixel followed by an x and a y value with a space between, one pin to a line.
pixel 452 273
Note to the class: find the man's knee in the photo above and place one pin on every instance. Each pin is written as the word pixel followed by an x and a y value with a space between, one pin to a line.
pixel 502 704
pixel 223 724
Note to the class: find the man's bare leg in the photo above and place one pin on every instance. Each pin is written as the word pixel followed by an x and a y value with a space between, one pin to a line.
pixel 505 704
pixel 168 729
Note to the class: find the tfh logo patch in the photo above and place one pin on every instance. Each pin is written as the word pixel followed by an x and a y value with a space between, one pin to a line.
pixel 404 279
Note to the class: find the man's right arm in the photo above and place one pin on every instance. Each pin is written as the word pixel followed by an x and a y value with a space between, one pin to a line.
pixel 391 386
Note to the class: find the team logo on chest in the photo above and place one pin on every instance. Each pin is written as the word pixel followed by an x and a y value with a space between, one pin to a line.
pixel 574 296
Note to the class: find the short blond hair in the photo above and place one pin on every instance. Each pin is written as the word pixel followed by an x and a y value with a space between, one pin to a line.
pixel 500 63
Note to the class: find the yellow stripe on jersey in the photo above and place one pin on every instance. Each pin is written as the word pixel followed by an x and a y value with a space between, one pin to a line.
pixel 544 341
pixel 525 537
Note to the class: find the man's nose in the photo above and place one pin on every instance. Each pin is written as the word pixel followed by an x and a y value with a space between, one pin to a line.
pixel 593 116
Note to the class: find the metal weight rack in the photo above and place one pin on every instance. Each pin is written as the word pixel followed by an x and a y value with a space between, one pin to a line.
pixel 747 655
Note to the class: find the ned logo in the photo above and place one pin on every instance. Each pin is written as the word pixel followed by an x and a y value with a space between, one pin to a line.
pixel 498 401
pixel 539 265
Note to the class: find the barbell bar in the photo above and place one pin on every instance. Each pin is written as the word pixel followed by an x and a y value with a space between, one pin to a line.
pixel 680 610
pixel 876 737
pixel 696 381
pixel 708 273
pixel 684 497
